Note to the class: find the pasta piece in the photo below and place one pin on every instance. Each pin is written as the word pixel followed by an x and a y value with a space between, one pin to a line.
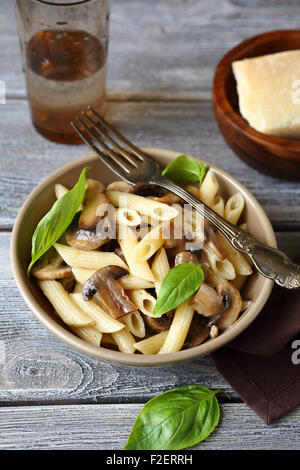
pixel 60 190
pixel 128 245
pixel 135 323
pixel 218 205
pixel 160 268
pixel 239 281
pixel 238 259
pixel 104 322
pixel 209 188
pixel 77 288
pixel 148 245
pixel 62 302
pixel 88 259
pixel 89 334
pixel 143 205
pixel 143 300
pixel 223 268
pixel 152 344
pixel 234 207
pixel 127 282
pixel 127 216
pixel 179 328
pixel 124 340
pixel 107 339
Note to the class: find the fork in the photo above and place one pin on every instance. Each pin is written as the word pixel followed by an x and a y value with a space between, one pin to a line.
pixel 134 166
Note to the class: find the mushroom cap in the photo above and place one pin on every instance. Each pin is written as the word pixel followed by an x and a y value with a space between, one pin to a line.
pixel 159 324
pixel 147 189
pixel 198 332
pixel 232 304
pixel 51 266
pixel 104 284
pixel 207 301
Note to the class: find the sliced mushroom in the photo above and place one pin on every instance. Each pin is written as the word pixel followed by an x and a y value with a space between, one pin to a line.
pixel 147 189
pixel 159 324
pixel 207 301
pixel 170 198
pixel 232 304
pixel 198 332
pixel 83 239
pixel 68 283
pixel 210 235
pixel 104 284
pixel 51 266
pixel 119 186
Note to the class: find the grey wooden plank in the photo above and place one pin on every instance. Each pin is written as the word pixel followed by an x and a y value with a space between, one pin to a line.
pixel 169 49
pixel 26 158
pixel 96 427
pixel 35 366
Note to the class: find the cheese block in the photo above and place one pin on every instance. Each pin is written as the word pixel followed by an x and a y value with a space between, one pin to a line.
pixel 269 93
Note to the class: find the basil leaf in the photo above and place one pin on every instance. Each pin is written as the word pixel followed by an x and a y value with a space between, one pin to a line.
pixel 175 420
pixel 178 285
pixel 56 221
pixel 185 168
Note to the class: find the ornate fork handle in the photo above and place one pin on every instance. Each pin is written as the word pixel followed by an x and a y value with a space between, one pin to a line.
pixel 270 262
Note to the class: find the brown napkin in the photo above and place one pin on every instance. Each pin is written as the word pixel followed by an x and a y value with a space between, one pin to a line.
pixel 258 363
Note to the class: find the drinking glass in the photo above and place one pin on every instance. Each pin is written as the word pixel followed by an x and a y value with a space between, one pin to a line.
pixel 64 49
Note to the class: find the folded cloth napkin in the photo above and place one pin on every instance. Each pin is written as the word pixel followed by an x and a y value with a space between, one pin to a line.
pixel 263 363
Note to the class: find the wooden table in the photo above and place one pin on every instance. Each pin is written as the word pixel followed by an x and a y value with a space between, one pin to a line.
pixel 162 57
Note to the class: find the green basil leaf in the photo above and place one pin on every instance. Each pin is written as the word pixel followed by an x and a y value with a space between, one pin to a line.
pixel 178 285
pixel 56 221
pixel 184 168
pixel 175 420
pixel 202 173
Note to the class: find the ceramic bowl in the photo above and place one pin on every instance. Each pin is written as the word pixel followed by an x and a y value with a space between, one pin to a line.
pixel 257 288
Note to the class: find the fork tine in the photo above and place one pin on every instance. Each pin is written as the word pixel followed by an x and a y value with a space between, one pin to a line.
pixel 128 156
pixel 105 158
pixel 116 158
pixel 141 156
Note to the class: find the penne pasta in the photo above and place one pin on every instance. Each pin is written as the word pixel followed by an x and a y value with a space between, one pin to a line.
pixel 160 268
pixel 234 207
pixel 104 322
pixel 63 304
pixel 223 268
pixel 89 334
pixel 135 324
pixel 127 216
pixel 145 206
pixel 88 259
pixel 148 245
pixel 218 205
pixel 152 344
pixel 209 188
pixel 238 259
pixel 60 190
pixel 124 340
pixel 128 245
pixel 179 328
pixel 143 300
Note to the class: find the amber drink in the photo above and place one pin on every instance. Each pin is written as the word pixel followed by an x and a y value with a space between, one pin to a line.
pixel 65 68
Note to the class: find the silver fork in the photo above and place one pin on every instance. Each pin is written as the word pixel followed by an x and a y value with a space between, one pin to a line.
pixel 134 166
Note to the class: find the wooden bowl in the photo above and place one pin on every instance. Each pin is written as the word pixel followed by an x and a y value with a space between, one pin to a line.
pixel 257 288
pixel 273 155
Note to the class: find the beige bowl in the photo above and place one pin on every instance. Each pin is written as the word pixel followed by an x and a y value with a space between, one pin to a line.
pixel 257 288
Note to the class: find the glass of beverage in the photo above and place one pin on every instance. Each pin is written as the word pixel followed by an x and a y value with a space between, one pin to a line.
pixel 64 49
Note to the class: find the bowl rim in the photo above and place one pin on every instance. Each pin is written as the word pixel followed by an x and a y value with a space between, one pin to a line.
pixel 105 354
pixel 220 97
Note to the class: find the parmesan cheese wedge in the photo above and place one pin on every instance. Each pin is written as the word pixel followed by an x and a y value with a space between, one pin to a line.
pixel 269 93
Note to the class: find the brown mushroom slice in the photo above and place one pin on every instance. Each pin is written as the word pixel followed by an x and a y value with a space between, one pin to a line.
pixel 104 284
pixel 82 239
pixel 198 332
pixel 147 189
pixel 158 324
pixel 232 304
pixel 197 257
pixel 170 198
pixel 210 234
pixel 207 301
pixel 51 266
